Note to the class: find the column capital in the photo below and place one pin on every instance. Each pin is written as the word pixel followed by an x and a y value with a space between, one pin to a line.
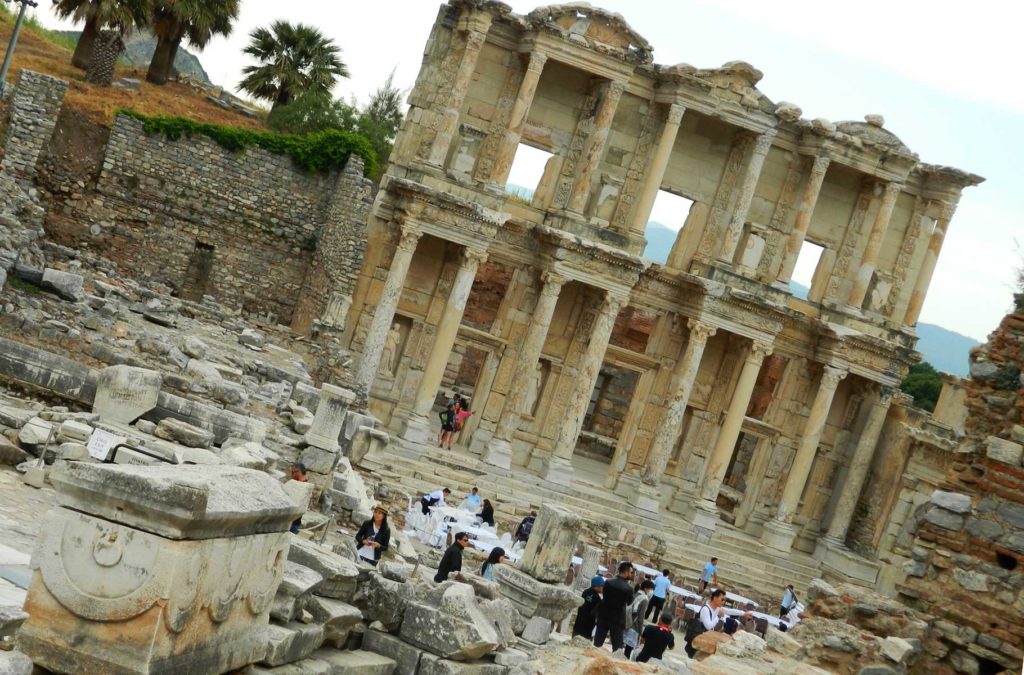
pixel 537 61
pixel 886 394
pixel 892 189
pixel 409 238
pixel 700 332
pixel 675 113
pixel 764 140
pixel 475 39
pixel 831 376
pixel 946 211
pixel 820 165
pixel 615 90
pixel 552 281
pixel 473 255
pixel 759 350
pixel 613 304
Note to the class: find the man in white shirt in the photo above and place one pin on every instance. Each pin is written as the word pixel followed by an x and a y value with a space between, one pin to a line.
pixel 435 498
pixel 709 615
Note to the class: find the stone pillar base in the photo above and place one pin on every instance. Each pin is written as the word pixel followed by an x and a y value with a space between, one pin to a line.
pixel 626 484
pixel 704 515
pixel 646 498
pixel 557 470
pixel 419 431
pixel 841 564
pixel 778 535
pixel 498 453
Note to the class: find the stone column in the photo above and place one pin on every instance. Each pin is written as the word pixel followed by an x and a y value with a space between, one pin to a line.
pixel 870 257
pixel 329 417
pixel 594 151
pixel 656 170
pixel 591 561
pixel 931 256
pixel 520 109
pixel 552 543
pixel 718 462
pixel 779 532
pixel 377 336
pixel 731 238
pixel 803 218
pixel 859 465
pixel 685 375
pixel 419 425
pixel 499 449
pixel 558 468
pixel 477 25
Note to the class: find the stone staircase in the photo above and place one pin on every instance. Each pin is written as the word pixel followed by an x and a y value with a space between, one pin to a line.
pixel 744 564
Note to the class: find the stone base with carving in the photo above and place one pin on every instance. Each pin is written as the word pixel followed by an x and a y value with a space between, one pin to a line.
pixel 840 564
pixel 156 569
pixel 535 598
pixel 778 535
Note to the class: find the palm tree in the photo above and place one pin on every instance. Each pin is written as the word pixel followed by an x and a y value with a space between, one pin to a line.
pixel 294 59
pixel 122 15
pixel 197 20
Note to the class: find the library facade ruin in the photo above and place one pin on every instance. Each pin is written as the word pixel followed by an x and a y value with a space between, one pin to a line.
pixel 702 388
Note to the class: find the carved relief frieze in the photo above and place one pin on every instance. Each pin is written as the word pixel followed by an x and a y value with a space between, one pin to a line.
pixel 719 216
pixel 847 254
pixel 635 172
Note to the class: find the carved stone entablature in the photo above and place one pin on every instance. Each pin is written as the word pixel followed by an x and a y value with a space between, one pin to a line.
pixel 945 182
pixel 858 145
pixel 935 435
pixel 446 216
pixel 724 93
pixel 744 315
pixel 577 251
pixel 598 29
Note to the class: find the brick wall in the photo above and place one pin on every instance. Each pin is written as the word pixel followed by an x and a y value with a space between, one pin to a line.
pixel 35 105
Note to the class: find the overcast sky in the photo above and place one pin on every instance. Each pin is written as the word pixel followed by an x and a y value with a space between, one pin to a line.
pixel 946 76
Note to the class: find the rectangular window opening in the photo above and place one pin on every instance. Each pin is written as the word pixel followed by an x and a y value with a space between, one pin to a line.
pixel 667 219
pixel 526 173
pixel 806 264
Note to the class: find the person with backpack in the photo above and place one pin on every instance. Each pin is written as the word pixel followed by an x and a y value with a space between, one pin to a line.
pixel 447 426
pixel 637 617
pixel 525 527
pixel 788 601
pixel 706 619
pixel 656 639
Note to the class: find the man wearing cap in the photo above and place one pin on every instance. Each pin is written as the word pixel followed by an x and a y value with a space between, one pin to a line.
pixel 586 615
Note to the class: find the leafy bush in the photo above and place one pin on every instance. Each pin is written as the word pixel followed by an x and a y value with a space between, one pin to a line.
pixel 323 151
pixel 924 383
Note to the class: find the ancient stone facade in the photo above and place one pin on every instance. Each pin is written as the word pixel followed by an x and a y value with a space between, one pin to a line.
pixel 714 392
pixel 250 229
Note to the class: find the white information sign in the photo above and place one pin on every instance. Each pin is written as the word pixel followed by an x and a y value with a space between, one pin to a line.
pixel 100 443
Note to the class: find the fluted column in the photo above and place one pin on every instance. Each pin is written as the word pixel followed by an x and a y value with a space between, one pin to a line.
pixel 499 448
pixel 558 468
pixel 731 238
pixel 859 464
pixel 717 464
pixel 656 170
pixel 377 336
pixel 803 218
pixel 779 532
pixel 476 29
pixel 596 141
pixel 869 259
pixel 418 427
pixel 506 152
pixel 931 256
pixel 685 375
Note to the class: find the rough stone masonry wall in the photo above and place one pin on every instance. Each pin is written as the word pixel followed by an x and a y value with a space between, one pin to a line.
pixel 968 559
pixel 158 204
pixel 35 106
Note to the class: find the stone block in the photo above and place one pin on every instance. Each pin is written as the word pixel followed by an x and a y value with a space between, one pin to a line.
pixel 709 641
pixel 184 433
pixel 537 630
pixel 36 432
pixel 743 645
pixel 552 543
pixel 73 430
pixel 299 493
pixel 11 618
pixel 15 663
pixel 534 598
pixel 405 655
pixel 337 617
pixel 453 628
pixel 297 583
pixel 356 662
pixel 944 519
pixel 971 581
pixel 897 649
pixel 504 618
pixel 67 285
pixel 510 657
pixel 14 417
pixel 384 600
pixel 951 501
pixel 432 665
pixel 1012 513
pixel 1004 451
pixel 781 642
pixel 125 393
pixel 11 454
pixel 291 642
pixel 330 417
pixel 340 575
pixel 159 554
pixel 318 460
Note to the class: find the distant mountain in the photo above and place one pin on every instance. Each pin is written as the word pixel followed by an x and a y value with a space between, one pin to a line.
pixel 944 349
pixel 660 239
pixel 139 51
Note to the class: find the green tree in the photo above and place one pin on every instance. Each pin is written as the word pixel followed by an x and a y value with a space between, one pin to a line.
pixel 924 383
pixel 294 59
pixel 312 112
pixel 382 117
pixel 197 20
pixel 121 15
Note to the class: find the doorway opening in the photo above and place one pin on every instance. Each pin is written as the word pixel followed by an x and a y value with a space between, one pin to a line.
pixel 666 222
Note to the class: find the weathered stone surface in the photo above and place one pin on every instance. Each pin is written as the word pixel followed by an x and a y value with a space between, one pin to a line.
pixel 952 501
pixel 297 583
pixel 534 598
pixel 337 617
pixel 897 649
pixel 432 665
pixel 14 417
pixel 504 618
pixel 182 432
pixel 291 642
pixel 781 642
pixel 356 662
pixel 11 618
pixel 743 645
pixel 405 656
pixel 395 570
pixel 537 630
pixel 329 417
pixel 944 519
pixel 125 393
pixel 75 431
pixel 552 543
pixel 339 574
pixel 453 629
pixel 384 600
pixel 1005 451
pixel 65 284
pixel 984 529
pixel 318 460
pixel 36 432
pixel 15 663
pixel 709 641
pixel 1012 513
pixel 971 581
pixel 11 454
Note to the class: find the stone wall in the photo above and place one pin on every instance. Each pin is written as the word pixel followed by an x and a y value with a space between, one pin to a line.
pixel 242 227
pixel 35 106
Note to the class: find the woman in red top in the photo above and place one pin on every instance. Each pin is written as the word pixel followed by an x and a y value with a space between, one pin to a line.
pixel 462 413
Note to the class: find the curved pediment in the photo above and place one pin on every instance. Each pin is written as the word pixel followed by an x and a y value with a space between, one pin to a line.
pixel 872 133
pixel 594 27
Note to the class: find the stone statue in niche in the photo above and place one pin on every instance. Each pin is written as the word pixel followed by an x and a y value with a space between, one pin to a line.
pixel 389 357
pixel 534 385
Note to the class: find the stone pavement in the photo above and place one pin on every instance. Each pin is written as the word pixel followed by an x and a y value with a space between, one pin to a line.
pixel 21 511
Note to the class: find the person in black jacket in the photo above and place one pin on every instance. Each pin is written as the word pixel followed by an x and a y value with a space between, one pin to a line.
pixel 373 537
pixel 611 613
pixel 452 559
pixel 487 513
pixel 586 615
